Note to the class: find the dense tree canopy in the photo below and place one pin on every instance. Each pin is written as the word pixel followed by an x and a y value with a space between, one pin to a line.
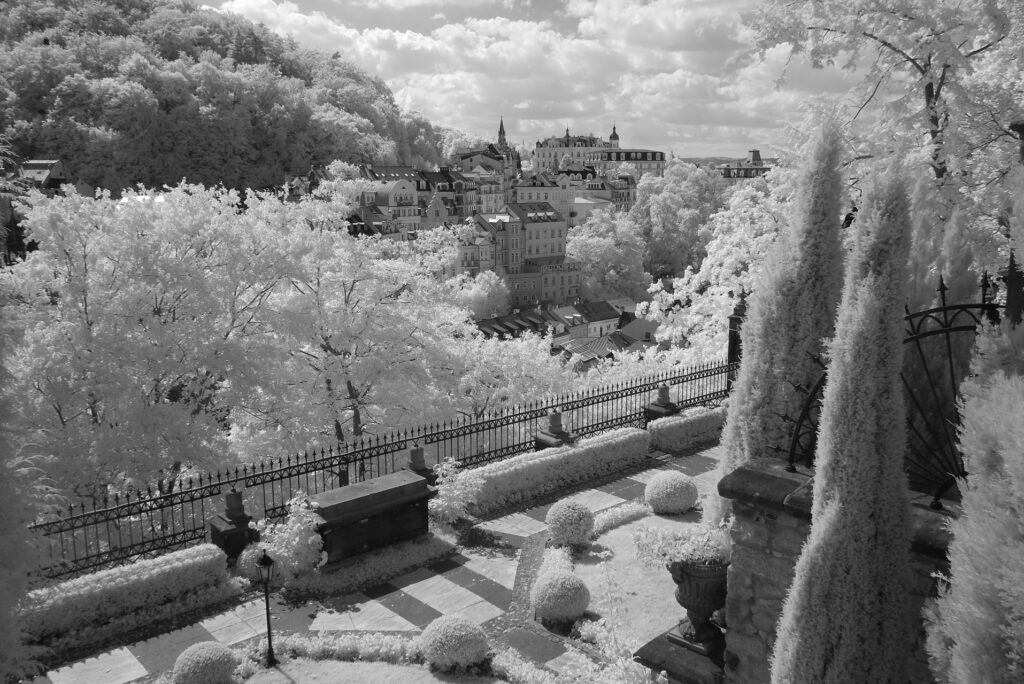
pixel 610 249
pixel 672 213
pixel 179 329
pixel 156 91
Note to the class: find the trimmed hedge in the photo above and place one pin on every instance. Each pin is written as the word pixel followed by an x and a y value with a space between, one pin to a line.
pixel 688 429
pixel 538 473
pixel 94 607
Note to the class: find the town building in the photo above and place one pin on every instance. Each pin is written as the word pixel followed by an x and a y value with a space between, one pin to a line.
pixel 751 167
pixel 528 243
pixel 44 175
pixel 548 155
pixel 644 161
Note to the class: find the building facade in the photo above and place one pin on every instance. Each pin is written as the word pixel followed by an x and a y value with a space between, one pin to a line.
pixel 644 161
pixel 751 167
pixel 528 242
pixel 548 154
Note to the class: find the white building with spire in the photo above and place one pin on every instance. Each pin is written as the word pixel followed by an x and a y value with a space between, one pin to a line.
pixel 549 154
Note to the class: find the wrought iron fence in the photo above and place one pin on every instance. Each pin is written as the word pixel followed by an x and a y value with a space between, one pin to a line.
pixel 86 538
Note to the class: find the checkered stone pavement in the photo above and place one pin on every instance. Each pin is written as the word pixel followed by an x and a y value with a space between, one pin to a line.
pixel 478 584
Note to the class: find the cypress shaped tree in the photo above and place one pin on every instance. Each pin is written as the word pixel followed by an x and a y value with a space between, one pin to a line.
pixel 790 312
pixel 846 618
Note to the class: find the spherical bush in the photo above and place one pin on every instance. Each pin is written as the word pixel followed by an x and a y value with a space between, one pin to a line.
pixel 451 642
pixel 560 597
pixel 207 662
pixel 671 492
pixel 570 523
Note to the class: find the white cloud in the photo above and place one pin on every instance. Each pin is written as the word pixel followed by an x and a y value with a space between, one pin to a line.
pixel 673 73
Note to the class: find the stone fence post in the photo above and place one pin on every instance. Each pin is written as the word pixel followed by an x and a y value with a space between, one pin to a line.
pixel 230 529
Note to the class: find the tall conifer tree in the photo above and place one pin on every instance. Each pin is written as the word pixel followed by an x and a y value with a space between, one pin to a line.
pixel 846 618
pixel 791 312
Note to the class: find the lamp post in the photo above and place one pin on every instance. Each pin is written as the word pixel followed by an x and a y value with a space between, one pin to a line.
pixel 265 569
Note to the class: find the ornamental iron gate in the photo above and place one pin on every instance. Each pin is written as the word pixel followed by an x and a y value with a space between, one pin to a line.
pixel 937 350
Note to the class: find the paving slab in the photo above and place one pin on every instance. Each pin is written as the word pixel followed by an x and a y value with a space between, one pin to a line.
pixel 409 607
pixel 500 569
pixel 113 667
pixel 538 648
pixel 159 653
pixel 482 586
pixel 516 524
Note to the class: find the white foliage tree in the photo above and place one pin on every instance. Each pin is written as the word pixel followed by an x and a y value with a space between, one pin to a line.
pixel 609 247
pixel 486 294
pixel 846 617
pixel 357 327
pixel 490 374
pixel 672 211
pixel 131 319
pixel 741 236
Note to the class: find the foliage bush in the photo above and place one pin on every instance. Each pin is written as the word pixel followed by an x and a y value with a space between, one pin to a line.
pixel 699 543
pixel 671 492
pixel 610 518
pixel 372 568
pixel 456 490
pixel 559 596
pixel 976 625
pixel 207 662
pixel 395 649
pixel 294 544
pixel 570 523
pixel 451 642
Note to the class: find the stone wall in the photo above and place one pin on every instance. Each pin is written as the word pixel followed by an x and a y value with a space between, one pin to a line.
pixel 772 519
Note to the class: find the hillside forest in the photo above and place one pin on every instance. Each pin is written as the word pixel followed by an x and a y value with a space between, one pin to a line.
pixel 160 91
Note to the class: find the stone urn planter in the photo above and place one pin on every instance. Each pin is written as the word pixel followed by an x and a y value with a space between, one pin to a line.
pixel 698 558
pixel 700 590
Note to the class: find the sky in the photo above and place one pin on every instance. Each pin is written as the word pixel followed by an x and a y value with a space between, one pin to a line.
pixel 679 76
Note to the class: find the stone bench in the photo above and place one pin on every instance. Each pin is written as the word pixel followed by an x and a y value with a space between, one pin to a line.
pixel 372 514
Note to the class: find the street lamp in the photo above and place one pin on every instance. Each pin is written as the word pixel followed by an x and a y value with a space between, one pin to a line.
pixel 265 569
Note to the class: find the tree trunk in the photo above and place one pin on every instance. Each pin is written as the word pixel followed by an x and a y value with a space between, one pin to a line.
pixel 339 432
pixel 357 418
pixel 935 131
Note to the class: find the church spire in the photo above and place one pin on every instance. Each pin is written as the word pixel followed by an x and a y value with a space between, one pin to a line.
pixel 501 132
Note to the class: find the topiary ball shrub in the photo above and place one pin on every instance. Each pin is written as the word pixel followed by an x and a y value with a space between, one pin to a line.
pixel 671 492
pixel 452 642
pixel 207 662
pixel 559 597
pixel 570 523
